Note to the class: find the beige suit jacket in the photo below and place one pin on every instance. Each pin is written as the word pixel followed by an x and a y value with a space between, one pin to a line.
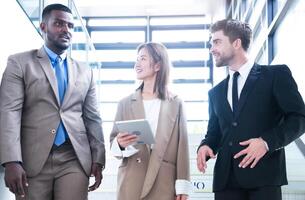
pixel 152 174
pixel 30 112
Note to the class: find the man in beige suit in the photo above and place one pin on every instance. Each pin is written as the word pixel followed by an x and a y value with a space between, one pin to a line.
pixel 51 138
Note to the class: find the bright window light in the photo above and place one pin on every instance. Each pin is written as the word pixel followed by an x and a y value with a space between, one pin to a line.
pixel 188 54
pixel 116 55
pixel 197 110
pixel 179 20
pixel 192 91
pixel 180 35
pixel 190 73
pixel 118 36
pixel 118 22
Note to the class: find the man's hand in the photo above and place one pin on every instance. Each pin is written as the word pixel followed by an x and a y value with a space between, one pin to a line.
pixel 202 155
pixel 253 153
pixel 15 178
pixel 96 171
pixel 181 197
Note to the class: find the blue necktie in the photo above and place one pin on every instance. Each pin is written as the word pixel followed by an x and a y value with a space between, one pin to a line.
pixel 235 93
pixel 60 137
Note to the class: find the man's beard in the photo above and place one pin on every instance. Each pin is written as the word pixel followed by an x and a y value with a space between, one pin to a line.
pixel 224 61
pixel 61 46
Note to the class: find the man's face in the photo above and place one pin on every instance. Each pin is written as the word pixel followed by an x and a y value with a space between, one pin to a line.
pixel 57 29
pixel 221 49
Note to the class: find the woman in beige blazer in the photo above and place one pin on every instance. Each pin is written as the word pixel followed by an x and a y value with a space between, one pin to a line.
pixel 160 171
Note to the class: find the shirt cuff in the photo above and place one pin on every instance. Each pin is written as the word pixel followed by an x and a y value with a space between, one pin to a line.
pixel 183 187
pixel 117 152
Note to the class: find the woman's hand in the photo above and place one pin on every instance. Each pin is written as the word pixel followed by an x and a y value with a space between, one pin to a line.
pixel 125 139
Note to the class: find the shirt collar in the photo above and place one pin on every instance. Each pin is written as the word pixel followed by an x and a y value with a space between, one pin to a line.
pixel 244 70
pixel 53 55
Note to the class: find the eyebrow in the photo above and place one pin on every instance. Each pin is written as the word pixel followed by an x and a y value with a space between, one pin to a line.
pixel 214 40
pixel 61 20
pixel 217 39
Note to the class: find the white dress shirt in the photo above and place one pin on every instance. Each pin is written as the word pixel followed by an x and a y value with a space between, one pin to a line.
pixel 244 71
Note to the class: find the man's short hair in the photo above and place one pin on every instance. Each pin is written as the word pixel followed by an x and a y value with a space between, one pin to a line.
pixel 48 9
pixel 234 29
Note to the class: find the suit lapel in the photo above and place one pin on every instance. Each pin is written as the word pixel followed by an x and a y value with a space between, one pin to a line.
pixel 71 79
pixel 47 68
pixel 224 97
pixel 137 107
pixel 248 87
pixel 167 118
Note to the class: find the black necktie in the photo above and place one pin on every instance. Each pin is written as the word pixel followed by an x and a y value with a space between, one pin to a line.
pixel 235 93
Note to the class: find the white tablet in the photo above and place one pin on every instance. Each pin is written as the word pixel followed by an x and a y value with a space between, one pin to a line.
pixel 139 127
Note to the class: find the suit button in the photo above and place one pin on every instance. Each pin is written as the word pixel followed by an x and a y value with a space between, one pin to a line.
pixel 230 143
pixel 234 124
pixel 53 131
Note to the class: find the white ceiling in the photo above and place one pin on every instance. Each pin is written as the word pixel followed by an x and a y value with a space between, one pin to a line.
pixel 215 9
pixel 210 8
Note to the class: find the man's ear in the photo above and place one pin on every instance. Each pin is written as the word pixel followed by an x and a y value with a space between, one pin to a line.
pixel 43 26
pixel 237 43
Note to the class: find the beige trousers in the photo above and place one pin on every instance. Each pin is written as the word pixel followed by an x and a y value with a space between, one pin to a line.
pixel 62 178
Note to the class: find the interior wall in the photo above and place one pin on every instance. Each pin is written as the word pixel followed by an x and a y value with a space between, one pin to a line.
pixel 17 35
pixel 17 32
pixel 289 42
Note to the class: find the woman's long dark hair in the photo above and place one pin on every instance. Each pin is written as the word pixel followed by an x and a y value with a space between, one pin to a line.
pixel 158 53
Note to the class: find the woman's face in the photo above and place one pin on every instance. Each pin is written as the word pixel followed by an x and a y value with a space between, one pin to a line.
pixel 145 67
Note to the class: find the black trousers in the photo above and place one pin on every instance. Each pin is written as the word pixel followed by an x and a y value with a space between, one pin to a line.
pixel 234 191
pixel 262 193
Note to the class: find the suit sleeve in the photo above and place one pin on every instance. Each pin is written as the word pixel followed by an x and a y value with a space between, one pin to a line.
pixel 118 117
pixel 93 126
pixel 11 104
pixel 291 106
pixel 213 136
pixel 183 168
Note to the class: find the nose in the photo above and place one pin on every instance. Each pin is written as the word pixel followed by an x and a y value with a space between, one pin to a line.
pixel 135 65
pixel 65 28
pixel 137 62
pixel 212 49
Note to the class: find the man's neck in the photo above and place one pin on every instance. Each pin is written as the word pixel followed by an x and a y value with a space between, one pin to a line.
pixel 238 63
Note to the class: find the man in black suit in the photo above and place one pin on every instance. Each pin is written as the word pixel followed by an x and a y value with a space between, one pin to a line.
pixel 254 113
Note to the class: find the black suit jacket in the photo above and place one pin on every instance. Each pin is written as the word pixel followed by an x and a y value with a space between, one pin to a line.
pixel 270 107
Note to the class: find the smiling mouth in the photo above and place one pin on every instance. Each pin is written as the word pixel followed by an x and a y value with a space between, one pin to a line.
pixel 139 70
